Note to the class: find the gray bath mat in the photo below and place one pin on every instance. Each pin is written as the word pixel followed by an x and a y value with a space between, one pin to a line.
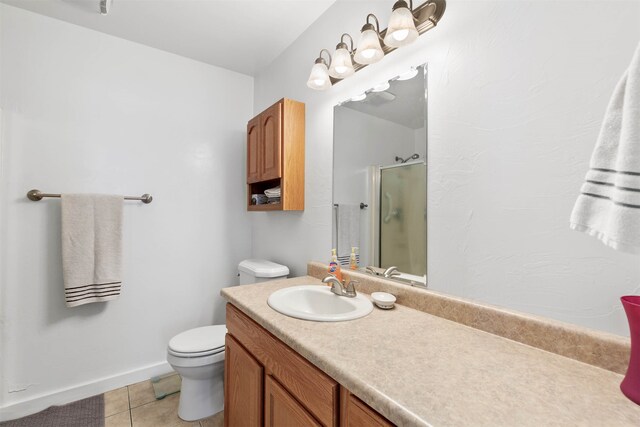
pixel 165 385
pixel 83 413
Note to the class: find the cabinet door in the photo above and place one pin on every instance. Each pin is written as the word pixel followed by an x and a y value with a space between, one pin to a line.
pixel 271 128
pixel 355 413
pixel 243 387
pixel 253 150
pixel 282 410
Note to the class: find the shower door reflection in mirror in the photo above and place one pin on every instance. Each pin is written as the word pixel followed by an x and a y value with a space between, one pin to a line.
pixel 380 179
pixel 403 209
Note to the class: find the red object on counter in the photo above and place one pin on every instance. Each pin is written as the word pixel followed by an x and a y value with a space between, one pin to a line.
pixel 630 386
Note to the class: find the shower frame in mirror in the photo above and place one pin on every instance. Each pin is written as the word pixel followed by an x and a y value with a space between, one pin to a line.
pixel 345 169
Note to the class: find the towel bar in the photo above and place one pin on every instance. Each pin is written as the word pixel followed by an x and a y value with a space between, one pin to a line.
pixel 36 195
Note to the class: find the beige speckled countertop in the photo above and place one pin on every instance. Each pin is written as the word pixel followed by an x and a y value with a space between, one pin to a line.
pixel 419 369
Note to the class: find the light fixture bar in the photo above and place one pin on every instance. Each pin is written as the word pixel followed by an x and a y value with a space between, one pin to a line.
pixel 427 16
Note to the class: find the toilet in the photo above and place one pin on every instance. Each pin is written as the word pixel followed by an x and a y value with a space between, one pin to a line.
pixel 197 355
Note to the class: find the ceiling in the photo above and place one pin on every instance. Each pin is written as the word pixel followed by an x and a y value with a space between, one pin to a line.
pixel 239 35
pixel 403 103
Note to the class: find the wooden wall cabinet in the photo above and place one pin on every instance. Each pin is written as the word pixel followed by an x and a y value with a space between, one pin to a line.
pixel 275 155
pixel 269 384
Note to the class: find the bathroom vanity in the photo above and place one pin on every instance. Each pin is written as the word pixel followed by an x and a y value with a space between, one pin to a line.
pixel 408 367
pixel 267 383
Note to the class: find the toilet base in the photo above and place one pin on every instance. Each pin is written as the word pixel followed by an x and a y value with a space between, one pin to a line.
pixel 200 398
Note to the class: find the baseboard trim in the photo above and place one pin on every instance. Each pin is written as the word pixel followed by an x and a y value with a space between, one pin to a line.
pixel 81 391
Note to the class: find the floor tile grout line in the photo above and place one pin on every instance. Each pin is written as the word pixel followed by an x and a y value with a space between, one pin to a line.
pixel 129 401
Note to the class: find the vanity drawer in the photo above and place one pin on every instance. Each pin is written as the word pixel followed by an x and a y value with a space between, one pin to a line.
pixel 316 391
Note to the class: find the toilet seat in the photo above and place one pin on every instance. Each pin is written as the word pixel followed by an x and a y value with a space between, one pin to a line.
pixel 198 342
pixel 195 362
pixel 195 354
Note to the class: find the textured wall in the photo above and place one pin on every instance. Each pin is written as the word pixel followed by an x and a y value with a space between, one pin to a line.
pixel 517 91
pixel 87 112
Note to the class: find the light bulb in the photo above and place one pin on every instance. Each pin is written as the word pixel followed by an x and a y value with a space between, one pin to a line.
pixel 408 75
pixel 368 53
pixel 402 28
pixel 369 49
pixel 400 34
pixel 319 77
pixel 341 64
pixel 381 87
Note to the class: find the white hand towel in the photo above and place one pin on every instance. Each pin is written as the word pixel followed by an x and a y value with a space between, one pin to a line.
pixel 608 207
pixel 273 192
pixel 91 247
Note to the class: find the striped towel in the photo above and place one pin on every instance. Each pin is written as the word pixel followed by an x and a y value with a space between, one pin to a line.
pixel 91 247
pixel 608 206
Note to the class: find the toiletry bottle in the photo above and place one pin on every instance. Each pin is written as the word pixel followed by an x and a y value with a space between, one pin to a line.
pixel 353 259
pixel 334 266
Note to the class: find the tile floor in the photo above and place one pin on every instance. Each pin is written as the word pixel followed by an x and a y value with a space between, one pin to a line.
pixel 136 406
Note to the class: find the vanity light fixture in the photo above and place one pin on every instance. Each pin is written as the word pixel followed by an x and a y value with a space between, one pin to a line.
pixel 341 64
pixel 319 78
pixel 369 49
pixel 381 87
pixel 405 25
pixel 402 28
pixel 408 75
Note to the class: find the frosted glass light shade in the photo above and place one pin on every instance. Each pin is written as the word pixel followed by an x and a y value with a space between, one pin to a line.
pixel 319 77
pixel 402 30
pixel 341 64
pixel 369 49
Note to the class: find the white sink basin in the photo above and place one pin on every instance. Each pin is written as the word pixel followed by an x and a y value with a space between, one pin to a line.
pixel 315 302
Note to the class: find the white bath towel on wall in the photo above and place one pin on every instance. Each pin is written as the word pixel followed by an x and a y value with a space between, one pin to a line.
pixel 608 207
pixel 91 247
pixel 348 230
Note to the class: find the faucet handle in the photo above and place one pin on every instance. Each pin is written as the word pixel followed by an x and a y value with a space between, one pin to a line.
pixel 351 287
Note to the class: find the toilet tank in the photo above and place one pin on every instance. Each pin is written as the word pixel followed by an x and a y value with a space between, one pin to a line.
pixel 260 270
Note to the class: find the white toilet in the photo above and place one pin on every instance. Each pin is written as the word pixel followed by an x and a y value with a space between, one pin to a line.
pixel 198 354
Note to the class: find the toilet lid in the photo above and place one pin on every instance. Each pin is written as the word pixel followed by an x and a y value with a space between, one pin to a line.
pixel 199 340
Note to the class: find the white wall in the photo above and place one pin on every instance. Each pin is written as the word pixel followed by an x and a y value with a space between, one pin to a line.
pixel 517 90
pixel 87 112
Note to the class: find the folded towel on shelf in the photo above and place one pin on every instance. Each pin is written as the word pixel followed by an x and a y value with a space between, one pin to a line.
pixel 259 199
pixel 273 200
pixel 91 247
pixel 348 230
pixel 273 192
pixel 608 206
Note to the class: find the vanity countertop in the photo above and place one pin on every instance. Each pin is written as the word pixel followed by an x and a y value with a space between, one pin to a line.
pixel 418 369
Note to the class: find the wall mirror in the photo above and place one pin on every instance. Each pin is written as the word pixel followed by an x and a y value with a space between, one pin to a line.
pixel 380 179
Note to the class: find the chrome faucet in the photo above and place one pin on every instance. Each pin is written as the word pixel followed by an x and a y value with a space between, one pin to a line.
pixel 391 271
pixel 337 287
pixel 377 271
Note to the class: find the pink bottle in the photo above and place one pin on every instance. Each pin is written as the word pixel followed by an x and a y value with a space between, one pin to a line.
pixel 630 386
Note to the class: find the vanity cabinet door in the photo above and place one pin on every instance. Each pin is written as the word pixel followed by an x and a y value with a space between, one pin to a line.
pixel 253 151
pixel 272 142
pixel 355 413
pixel 283 410
pixel 243 385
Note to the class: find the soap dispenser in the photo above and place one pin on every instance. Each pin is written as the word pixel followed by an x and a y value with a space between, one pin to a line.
pixel 334 266
pixel 353 259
